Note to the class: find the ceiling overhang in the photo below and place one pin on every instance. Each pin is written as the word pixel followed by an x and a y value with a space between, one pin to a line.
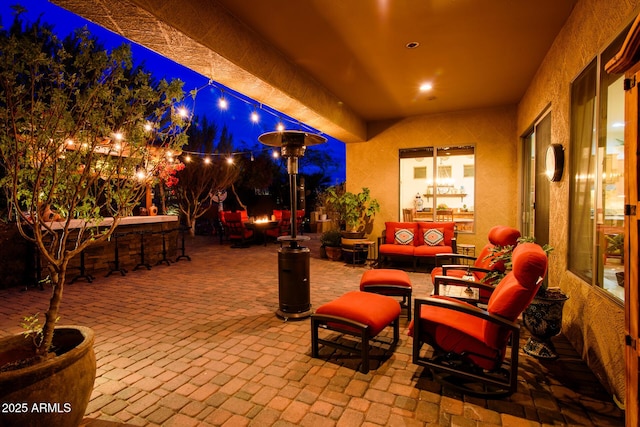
pixel 211 42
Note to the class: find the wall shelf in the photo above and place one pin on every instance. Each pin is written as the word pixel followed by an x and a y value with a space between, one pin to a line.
pixel 461 195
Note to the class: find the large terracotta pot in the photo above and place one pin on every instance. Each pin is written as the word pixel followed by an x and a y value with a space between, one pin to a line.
pixel 543 319
pixel 52 393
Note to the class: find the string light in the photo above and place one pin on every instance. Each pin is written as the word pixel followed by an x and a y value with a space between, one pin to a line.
pixel 254 117
pixel 223 103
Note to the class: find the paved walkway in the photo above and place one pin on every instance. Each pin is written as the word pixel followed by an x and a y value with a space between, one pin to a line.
pixel 197 344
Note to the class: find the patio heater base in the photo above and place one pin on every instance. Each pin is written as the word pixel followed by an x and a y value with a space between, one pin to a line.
pixel 293 281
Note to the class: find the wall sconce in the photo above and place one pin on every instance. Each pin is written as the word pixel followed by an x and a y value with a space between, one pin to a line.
pixel 554 162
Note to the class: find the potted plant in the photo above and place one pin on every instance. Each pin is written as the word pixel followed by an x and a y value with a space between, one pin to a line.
pixel 82 133
pixel 543 317
pixel 332 243
pixel 355 211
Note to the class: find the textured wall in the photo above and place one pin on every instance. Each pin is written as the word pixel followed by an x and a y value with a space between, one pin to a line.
pixel 375 163
pixel 591 27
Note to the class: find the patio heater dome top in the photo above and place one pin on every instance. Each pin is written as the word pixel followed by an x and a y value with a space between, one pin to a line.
pixel 291 138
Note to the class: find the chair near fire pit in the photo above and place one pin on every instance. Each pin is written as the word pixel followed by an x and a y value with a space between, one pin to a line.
pixel 470 344
pixel 236 230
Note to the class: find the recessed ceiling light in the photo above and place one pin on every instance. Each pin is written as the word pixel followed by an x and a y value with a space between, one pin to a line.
pixel 425 87
pixel 412 45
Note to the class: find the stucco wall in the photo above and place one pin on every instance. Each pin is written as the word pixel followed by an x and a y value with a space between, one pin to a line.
pixel 598 336
pixel 375 163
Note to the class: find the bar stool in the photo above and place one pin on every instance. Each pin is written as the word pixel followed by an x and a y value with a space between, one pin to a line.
pixel 83 274
pixel 164 258
pixel 182 229
pixel 142 262
pixel 116 257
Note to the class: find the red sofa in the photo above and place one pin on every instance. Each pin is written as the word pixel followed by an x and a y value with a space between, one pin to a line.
pixel 415 241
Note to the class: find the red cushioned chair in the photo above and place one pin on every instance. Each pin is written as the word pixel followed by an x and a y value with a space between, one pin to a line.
pixel 234 222
pixel 469 345
pixel 477 268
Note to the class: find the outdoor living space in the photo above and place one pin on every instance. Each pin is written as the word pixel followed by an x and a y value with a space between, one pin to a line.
pixel 197 343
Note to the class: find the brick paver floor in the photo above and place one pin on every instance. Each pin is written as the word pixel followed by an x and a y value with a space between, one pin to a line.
pixel 197 343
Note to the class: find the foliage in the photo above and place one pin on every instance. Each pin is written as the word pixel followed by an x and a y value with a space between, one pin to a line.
pixel 201 178
pixel 354 210
pixel 81 134
pixel 504 254
pixel 331 238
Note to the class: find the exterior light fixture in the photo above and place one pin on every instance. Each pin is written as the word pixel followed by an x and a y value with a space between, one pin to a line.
pixel 554 162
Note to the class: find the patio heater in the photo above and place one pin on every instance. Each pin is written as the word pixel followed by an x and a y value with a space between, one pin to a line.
pixel 293 259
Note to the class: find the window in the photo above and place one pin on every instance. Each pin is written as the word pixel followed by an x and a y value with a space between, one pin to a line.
pixel 448 183
pixel 596 187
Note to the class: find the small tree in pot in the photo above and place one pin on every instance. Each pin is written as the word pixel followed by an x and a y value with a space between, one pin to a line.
pixel 355 210
pixel 81 134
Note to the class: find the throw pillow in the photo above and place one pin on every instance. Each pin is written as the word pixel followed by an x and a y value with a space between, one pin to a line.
pixel 434 237
pixel 403 236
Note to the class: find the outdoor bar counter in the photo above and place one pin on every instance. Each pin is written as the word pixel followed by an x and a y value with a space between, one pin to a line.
pixel 139 241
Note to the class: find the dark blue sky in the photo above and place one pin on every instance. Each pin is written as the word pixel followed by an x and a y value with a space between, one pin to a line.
pixel 236 117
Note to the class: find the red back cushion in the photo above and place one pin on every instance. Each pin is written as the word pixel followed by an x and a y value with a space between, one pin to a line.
pixel 514 293
pixel 447 227
pixel 390 230
pixel 504 236
pixel 232 216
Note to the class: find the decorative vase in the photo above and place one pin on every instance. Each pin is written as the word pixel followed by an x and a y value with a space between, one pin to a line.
pixel 153 210
pixel 543 319
pixel 55 392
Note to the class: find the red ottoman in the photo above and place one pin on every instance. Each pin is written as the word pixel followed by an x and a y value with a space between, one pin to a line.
pixel 359 314
pixel 390 282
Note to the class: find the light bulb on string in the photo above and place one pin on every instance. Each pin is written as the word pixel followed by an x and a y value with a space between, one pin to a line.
pixel 280 127
pixel 207 160
pixel 255 117
pixel 230 160
pixel 223 104
pixel 252 159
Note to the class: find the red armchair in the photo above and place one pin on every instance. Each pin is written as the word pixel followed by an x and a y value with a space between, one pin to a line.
pixel 479 267
pixel 234 224
pixel 470 344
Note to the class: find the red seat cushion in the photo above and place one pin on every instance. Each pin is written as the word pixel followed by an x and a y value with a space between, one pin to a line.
pixel 385 276
pixel 393 249
pixel 373 310
pixel 457 332
pixel 431 251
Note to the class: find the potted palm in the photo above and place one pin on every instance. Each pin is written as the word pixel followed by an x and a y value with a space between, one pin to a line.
pixel 81 137
pixel 355 211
